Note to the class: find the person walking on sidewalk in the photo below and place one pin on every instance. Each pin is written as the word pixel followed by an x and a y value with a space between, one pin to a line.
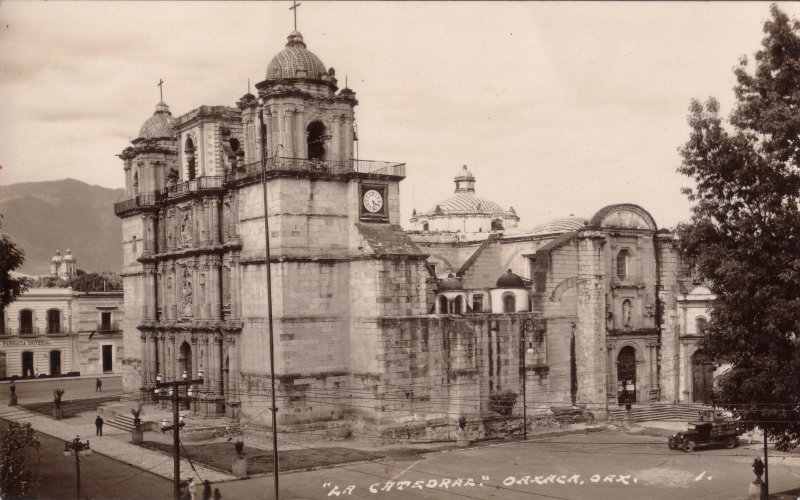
pixel 98 386
pixel 98 422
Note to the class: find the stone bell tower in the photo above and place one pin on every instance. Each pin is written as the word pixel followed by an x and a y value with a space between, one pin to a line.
pixel 304 116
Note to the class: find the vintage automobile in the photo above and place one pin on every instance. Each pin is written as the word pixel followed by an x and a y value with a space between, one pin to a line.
pixel 712 428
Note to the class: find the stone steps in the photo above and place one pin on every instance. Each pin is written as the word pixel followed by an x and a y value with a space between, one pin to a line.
pixel 643 413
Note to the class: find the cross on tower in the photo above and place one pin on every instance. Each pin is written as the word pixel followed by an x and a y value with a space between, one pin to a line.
pixel 293 8
pixel 161 88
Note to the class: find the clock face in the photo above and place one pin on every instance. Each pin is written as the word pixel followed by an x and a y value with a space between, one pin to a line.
pixel 373 201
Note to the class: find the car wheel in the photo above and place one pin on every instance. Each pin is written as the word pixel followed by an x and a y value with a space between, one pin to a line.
pixel 730 443
pixel 671 445
pixel 688 446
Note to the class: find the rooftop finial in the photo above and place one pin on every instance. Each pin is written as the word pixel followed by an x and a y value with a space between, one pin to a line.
pixel 293 8
pixel 248 85
pixel 161 89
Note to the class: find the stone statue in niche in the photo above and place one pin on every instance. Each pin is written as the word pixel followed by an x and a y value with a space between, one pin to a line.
pixel 627 313
pixel 186 293
pixel 186 227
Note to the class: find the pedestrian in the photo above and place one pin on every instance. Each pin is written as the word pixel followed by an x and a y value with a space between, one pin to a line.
pixel 98 385
pixel 217 494
pixel 98 422
pixel 206 490
pixel 191 488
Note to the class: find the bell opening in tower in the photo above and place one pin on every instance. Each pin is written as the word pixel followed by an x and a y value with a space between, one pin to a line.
pixel 190 166
pixel 315 139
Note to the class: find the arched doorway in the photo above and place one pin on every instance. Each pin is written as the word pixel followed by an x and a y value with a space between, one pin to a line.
pixel 509 303
pixel 702 377
pixel 185 360
pixel 626 371
pixel 55 362
pixel 315 139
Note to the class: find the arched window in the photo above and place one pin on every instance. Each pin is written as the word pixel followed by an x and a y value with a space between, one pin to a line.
pixel 700 325
pixel 190 159
pixel 509 303
pixel 458 305
pixel 136 182
pixel 53 321
pixel 623 258
pixel 497 225
pixel 133 243
pixel 425 226
pixel 443 305
pixel 25 321
pixel 315 140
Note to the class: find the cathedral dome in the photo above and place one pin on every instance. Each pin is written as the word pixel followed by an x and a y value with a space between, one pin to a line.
pixel 561 225
pixel 296 61
pixel 510 280
pixel 466 202
pixel 159 125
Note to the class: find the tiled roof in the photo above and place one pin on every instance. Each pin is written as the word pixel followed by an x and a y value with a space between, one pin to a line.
pixel 295 59
pixel 159 125
pixel 385 240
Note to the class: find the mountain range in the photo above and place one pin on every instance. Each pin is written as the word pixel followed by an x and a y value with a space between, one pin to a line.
pixel 41 217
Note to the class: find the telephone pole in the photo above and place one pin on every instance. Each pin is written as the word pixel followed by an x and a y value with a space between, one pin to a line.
pixel 177 419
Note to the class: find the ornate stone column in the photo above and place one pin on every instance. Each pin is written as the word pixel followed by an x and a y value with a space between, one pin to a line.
pixel 236 303
pixel 144 362
pixel 152 367
pixel 216 365
pixel 195 356
pixel 176 369
pixel 215 216
pixel 197 298
pixel 162 355
pixel 151 294
pixel 233 370
pixel 215 287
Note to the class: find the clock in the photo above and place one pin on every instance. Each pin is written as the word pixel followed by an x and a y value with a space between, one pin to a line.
pixel 373 201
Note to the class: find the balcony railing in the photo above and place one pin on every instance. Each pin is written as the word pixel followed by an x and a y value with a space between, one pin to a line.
pixel 193 186
pixel 302 165
pixel 26 330
pixel 55 329
pixel 138 201
pixel 107 327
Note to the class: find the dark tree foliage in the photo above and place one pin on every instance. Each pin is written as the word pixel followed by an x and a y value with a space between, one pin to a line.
pixel 96 282
pixel 15 475
pixel 11 258
pixel 744 234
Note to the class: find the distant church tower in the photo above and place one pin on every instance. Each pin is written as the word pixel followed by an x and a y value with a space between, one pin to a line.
pixel 63 267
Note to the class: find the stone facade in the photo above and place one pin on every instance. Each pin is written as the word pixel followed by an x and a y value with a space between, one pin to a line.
pixel 371 328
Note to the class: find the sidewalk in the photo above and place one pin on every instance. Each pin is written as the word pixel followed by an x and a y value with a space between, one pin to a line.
pixel 112 444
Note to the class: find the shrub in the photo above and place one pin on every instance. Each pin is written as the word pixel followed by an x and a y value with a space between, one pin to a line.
pixel 503 402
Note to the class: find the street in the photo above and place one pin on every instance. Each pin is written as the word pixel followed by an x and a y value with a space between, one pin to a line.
pixel 101 477
pixel 607 465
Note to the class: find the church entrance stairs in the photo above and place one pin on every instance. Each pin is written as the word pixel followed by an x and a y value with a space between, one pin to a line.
pixel 659 412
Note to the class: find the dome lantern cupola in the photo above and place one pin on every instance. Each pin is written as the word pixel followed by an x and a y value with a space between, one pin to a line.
pixel 465 181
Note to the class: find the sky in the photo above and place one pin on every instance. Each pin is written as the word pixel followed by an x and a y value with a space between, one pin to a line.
pixel 557 108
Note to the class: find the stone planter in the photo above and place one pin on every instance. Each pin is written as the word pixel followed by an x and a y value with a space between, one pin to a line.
pixel 12 401
pixel 462 440
pixel 137 436
pixel 757 490
pixel 58 413
pixel 239 467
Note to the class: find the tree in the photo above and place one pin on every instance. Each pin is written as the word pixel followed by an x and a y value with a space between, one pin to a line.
pixel 15 477
pixel 744 234
pixel 11 258
pixel 96 282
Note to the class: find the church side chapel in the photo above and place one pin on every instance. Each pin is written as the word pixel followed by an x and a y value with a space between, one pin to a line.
pixel 391 332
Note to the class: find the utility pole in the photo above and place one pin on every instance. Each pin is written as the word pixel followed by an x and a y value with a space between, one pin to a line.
pixel 77 449
pixel 766 466
pixel 274 407
pixel 177 420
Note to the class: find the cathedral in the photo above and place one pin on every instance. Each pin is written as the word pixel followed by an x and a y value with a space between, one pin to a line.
pixel 376 328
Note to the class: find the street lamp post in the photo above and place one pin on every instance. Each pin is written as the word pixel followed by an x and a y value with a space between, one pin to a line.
pixel 527 348
pixel 77 449
pixel 173 394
